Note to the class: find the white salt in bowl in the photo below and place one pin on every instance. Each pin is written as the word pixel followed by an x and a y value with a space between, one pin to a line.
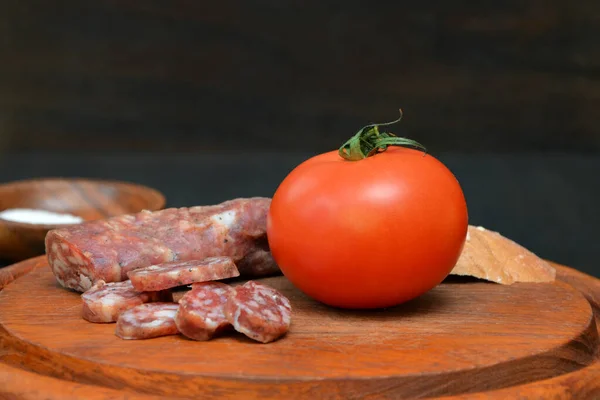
pixel 30 208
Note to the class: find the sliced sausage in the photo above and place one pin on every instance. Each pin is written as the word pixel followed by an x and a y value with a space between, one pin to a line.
pixel 258 311
pixel 104 302
pixel 147 321
pixel 201 314
pixel 179 273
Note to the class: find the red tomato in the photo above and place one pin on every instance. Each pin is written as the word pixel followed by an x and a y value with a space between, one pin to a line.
pixel 369 233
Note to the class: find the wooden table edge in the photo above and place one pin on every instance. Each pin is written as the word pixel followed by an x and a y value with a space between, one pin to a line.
pixel 12 272
pixel 581 384
pixel 22 384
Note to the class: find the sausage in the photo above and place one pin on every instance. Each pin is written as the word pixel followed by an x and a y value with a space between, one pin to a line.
pixel 147 321
pixel 105 301
pixel 179 273
pixel 258 263
pixel 258 311
pixel 107 250
pixel 201 313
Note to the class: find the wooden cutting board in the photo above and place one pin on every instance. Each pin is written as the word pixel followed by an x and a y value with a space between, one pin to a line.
pixel 464 339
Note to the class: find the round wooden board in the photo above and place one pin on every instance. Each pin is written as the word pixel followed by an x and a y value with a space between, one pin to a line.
pixel 460 338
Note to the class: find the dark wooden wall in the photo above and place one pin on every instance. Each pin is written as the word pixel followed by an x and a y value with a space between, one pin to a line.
pixel 257 75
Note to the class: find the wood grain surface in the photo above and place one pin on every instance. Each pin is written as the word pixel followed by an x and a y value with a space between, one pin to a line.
pixel 582 384
pixel 258 75
pixel 87 198
pixel 461 339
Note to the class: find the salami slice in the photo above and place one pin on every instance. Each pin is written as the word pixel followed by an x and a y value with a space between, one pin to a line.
pixel 147 321
pixel 83 254
pixel 201 314
pixel 105 301
pixel 179 273
pixel 258 311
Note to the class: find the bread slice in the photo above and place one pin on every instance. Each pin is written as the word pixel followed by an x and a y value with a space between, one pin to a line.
pixel 490 256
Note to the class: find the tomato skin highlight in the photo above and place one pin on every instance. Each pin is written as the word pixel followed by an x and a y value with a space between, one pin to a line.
pixel 371 233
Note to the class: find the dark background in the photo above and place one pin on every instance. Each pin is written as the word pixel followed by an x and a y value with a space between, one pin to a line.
pixel 208 101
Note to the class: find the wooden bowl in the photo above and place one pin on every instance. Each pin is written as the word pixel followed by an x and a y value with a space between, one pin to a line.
pixel 88 199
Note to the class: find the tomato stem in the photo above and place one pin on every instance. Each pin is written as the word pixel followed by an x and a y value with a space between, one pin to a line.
pixel 369 141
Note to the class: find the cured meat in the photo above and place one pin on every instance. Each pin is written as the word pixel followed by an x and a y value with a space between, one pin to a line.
pixel 258 263
pixel 179 273
pixel 104 302
pixel 107 250
pixel 201 314
pixel 490 256
pixel 258 311
pixel 147 321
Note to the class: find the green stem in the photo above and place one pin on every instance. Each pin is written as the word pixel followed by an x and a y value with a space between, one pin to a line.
pixel 369 141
